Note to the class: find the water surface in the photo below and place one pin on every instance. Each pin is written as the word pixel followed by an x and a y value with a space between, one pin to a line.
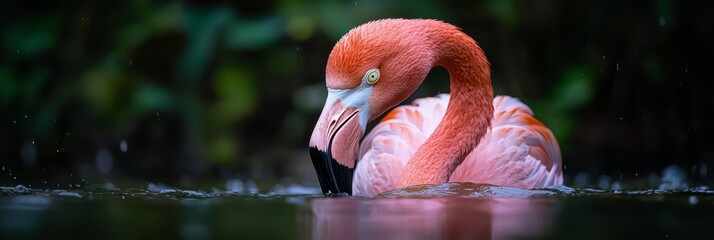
pixel 445 211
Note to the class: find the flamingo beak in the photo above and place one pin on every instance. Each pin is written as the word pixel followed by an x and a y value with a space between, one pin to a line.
pixel 334 145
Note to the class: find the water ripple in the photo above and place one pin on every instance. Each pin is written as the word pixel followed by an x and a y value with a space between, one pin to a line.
pixel 289 192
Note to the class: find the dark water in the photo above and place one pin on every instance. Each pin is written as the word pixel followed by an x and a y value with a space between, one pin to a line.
pixel 446 211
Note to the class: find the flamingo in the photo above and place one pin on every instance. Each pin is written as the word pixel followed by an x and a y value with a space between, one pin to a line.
pixel 465 136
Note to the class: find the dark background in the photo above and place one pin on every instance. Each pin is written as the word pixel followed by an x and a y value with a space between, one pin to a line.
pixel 181 92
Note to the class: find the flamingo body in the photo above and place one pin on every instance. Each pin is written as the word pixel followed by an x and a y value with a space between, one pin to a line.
pixel 465 136
pixel 518 150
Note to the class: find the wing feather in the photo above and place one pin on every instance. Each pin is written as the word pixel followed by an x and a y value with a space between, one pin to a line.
pixel 517 151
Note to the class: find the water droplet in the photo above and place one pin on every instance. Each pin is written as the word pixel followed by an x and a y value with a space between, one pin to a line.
pixel 234 186
pixel 131 63
pixel 157 114
pixel 703 169
pixel 251 187
pixel 67 133
pixel 617 67
pixel 685 70
pixel 123 145
pixel 297 48
pixel 25 116
pixel 662 21
pixel 18 50
pixel 33 142
pixel 14 121
pixel 693 200
pixel 673 177
pixel 620 118
pixel 104 161
pixel 57 150
pixel 123 197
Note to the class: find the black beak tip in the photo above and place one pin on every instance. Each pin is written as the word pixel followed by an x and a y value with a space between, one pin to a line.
pixel 335 178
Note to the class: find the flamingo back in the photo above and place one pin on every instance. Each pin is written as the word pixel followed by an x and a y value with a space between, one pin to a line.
pixel 517 151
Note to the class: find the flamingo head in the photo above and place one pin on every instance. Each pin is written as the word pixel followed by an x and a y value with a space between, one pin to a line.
pixel 371 69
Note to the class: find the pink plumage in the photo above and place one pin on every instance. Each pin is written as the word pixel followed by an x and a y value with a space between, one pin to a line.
pixel 516 151
pixel 465 136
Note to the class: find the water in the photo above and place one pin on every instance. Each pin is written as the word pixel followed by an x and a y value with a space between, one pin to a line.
pixel 444 211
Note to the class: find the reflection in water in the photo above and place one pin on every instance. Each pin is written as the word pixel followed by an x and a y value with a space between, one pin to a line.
pixel 428 218
pixel 24 214
pixel 446 211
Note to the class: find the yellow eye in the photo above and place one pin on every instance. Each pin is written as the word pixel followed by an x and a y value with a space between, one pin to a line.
pixel 372 76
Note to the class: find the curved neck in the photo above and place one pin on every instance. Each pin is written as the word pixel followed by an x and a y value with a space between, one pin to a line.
pixel 467 117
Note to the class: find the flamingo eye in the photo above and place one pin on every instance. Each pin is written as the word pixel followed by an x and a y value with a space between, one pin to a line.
pixel 372 76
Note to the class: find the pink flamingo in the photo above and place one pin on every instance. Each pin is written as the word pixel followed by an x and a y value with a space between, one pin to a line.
pixel 467 136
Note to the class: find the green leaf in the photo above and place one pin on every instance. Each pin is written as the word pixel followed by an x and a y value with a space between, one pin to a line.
pixel 31 37
pixel 150 97
pixel 203 27
pixel 254 34
pixel 237 94
pixel 575 90
pixel 8 87
pixel 223 150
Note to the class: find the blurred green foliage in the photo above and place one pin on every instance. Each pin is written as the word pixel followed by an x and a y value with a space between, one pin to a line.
pixel 206 88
